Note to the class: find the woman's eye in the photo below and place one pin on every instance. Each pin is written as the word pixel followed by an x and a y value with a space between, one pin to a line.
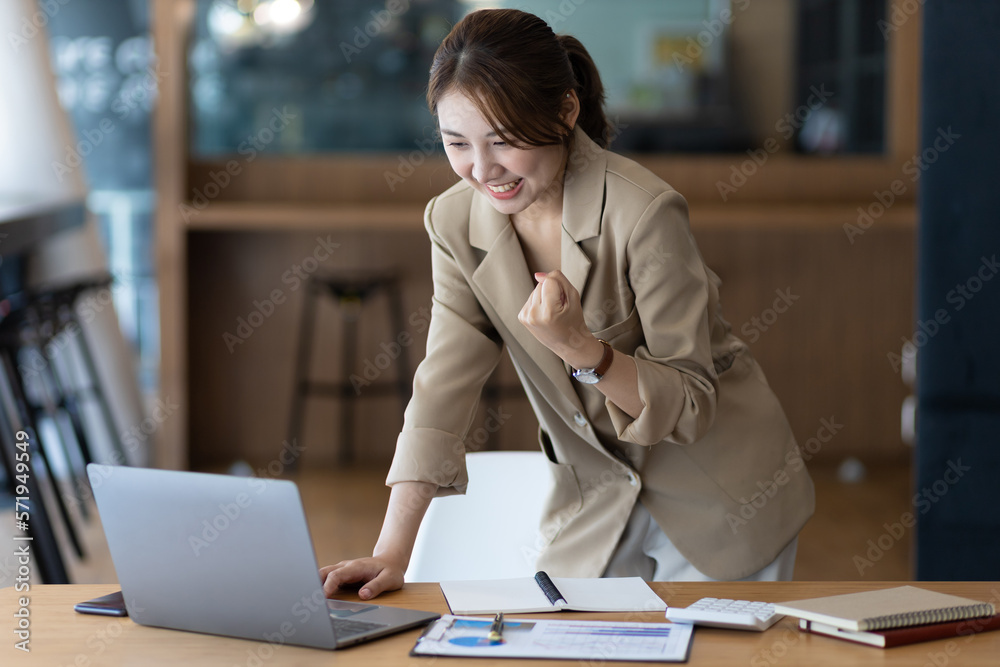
pixel 499 143
pixel 457 144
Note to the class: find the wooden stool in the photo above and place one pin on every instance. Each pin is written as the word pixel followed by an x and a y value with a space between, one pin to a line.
pixel 350 291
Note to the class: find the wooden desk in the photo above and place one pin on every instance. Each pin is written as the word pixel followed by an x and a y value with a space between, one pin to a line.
pixel 60 636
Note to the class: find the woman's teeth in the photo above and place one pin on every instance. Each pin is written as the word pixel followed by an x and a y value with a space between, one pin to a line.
pixel 504 188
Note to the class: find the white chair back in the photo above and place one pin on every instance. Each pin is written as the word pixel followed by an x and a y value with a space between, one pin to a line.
pixel 491 532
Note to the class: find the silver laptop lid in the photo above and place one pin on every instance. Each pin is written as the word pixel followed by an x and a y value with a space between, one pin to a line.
pixel 213 553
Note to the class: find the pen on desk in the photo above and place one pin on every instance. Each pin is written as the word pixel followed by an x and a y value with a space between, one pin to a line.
pixel 496 630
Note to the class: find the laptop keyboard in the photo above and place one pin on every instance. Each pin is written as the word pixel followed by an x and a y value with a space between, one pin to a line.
pixel 346 628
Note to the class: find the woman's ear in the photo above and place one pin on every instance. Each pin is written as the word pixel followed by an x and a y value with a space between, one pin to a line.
pixel 569 110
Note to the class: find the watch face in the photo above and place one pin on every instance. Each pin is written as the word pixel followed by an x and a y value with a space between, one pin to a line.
pixel 587 376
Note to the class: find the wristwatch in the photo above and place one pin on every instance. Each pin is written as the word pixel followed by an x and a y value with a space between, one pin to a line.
pixel 594 375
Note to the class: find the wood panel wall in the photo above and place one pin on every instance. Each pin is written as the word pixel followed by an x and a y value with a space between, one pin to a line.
pixel 846 307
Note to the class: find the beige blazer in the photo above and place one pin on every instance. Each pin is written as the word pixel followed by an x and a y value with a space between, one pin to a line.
pixel 711 455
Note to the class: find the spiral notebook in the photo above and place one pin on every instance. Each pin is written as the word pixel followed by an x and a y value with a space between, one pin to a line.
pixel 888 608
pixel 909 635
pixel 524 595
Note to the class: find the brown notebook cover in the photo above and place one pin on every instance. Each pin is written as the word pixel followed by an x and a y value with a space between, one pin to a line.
pixel 908 635
pixel 887 608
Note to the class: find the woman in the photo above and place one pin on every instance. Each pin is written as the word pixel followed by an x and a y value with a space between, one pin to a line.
pixel 671 457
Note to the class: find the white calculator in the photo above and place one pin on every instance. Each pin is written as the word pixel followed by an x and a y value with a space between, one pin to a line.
pixel 724 613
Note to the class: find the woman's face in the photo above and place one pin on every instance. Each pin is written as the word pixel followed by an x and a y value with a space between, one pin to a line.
pixel 513 180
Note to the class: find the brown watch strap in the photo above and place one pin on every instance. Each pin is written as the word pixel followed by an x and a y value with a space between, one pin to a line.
pixel 609 356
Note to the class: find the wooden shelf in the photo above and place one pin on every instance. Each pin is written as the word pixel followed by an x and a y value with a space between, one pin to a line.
pixel 798 217
pixel 233 216
pixel 238 216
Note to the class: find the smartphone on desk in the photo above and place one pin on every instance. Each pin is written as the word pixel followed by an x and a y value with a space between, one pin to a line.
pixel 112 604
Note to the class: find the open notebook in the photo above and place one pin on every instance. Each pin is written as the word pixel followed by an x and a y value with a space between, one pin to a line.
pixel 543 593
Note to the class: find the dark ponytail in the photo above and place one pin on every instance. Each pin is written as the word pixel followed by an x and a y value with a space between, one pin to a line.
pixel 589 89
pixel 517 72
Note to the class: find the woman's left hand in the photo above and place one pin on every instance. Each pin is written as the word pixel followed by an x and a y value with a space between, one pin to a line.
pixel 554 315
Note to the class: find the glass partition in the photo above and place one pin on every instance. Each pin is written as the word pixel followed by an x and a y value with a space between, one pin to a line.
pixel 290 77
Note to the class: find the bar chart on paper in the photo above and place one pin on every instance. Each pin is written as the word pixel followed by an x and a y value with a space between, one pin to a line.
pixel 580 640
pixel 618 639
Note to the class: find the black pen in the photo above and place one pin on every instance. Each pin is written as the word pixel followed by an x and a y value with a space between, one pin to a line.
pixel 496 630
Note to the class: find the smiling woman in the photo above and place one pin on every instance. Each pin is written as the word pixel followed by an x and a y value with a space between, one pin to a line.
pixel 657 423
pixel 522 182
pixel 507 116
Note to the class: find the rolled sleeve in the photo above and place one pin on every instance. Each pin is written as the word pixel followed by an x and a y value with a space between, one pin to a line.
pixel 430 455
pixel 677 382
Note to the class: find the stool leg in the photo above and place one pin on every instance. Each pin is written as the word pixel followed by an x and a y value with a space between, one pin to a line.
pixel 403 378
pixel 345 448
pixel 49 399
pixel 57 400
pixel 69 401
pixel 40 335
pixel 90 368
pixel 303 356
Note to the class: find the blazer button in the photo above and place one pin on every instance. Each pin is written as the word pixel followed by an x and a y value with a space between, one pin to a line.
pixel 632 479
pixel 580 419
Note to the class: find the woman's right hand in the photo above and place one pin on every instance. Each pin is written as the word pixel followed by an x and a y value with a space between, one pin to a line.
pixel 375 575
pixel 383 571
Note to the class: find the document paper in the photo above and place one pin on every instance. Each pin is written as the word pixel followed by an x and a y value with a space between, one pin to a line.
pixel 575 640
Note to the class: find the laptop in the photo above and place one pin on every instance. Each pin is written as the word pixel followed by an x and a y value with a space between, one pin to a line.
pixel 226 556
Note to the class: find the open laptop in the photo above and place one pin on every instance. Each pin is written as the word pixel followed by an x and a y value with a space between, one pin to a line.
pixel 226 556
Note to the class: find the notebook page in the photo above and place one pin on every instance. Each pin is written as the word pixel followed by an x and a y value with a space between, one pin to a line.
pixel 610 594
pixel 491 595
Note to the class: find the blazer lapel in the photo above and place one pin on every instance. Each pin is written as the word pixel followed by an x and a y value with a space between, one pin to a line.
pixel 503 278
pixel 583 200
pixel 502 275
